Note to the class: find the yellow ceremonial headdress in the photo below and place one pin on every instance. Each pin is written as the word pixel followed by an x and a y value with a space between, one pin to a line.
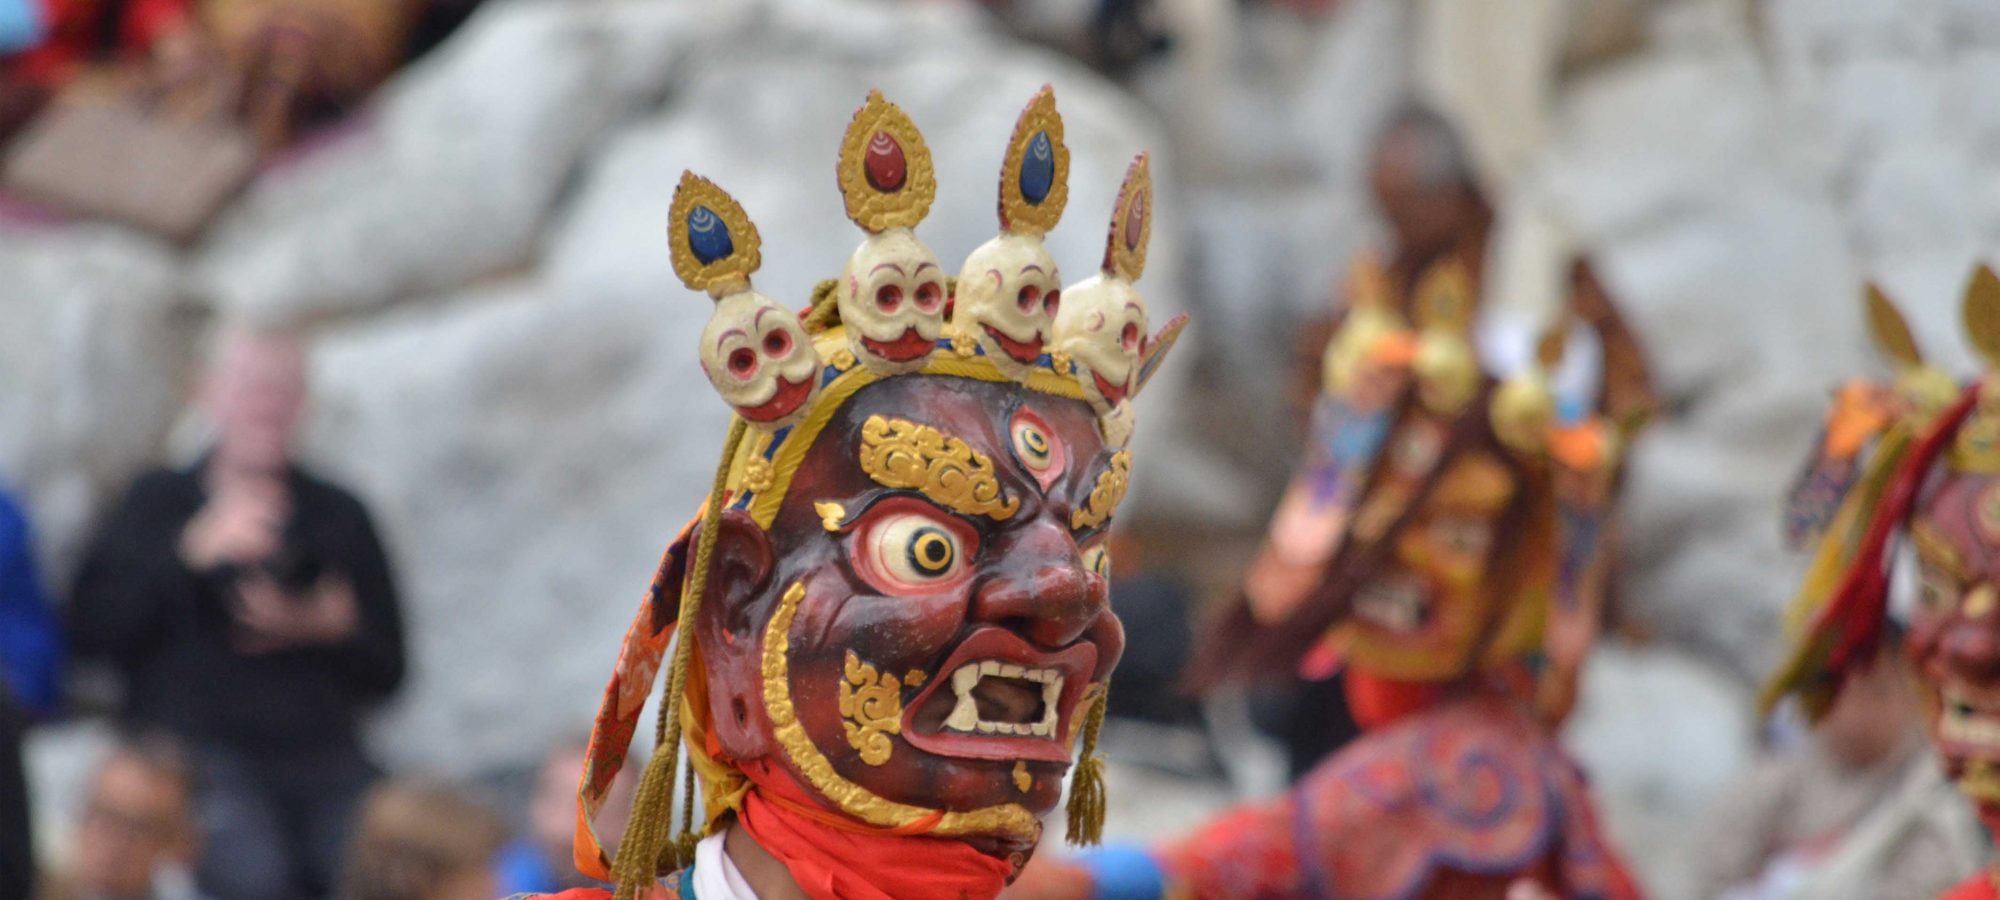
pixel 1882 439
pixel 892 313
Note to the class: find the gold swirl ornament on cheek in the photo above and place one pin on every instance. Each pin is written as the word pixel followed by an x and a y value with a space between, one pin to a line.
pixel 1010 819
pixel 872 704
pixel 906 455
pixel 1106 494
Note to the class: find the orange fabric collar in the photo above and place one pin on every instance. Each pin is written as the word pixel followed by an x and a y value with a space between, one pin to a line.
pixel 833 858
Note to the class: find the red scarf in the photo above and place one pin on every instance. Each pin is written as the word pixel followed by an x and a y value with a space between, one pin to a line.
pixel 833 858
pixel 1978 887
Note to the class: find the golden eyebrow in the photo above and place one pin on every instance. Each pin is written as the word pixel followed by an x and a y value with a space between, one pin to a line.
pixel 1936 549
pixel 903 454
pixel 1106 494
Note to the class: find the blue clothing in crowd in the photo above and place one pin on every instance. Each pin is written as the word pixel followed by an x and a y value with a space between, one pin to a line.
pixel 31 650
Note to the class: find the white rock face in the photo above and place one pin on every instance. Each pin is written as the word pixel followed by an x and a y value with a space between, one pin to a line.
pixel 528 456
pixel 93 355
pixel 456 169
pixel 1657 733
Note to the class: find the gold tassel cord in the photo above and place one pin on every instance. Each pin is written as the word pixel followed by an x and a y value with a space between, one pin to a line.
pixel 649 845
pixel 1086 791
pixel 824 312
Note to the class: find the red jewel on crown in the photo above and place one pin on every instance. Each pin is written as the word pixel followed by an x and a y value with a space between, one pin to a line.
pixel 1135 222
pixel 885 164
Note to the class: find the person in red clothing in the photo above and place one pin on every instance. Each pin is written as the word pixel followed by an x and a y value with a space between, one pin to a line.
pixel 279 68
pixel 1445 545
pixel 893 617
pixel 1914 459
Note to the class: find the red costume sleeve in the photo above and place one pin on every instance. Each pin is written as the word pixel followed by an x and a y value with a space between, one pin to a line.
pixel 1248 852
pixel 1456 801
pixel 1978 887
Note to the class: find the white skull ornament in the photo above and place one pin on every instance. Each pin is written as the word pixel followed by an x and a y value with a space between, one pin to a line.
pixel 1102 329
pixel 892 294
pixel 759 359
pixel 1008 295
pixel 753 350
pixel 1102 323
pixel 1008 290
pixel 892 300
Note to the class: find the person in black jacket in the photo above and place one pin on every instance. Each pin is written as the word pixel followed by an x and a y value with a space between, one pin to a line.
pixel 250 609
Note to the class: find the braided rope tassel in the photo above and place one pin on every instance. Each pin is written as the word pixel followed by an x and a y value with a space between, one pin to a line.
pixel 649 848
pixel 824 310
pixel 1086 792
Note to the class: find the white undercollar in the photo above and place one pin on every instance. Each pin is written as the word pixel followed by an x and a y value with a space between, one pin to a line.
pixel 715 874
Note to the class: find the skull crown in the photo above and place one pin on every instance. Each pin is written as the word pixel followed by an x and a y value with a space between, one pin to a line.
pixel 893 311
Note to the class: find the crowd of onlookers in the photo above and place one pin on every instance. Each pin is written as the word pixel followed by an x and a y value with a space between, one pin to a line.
pixel 250 616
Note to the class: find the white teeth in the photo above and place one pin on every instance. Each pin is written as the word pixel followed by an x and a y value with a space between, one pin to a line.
pixel 1397 606
pixel 965 714
pixel 1960 723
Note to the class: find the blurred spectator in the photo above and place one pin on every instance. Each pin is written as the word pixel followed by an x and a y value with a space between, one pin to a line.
pixel 137 838
pixel 17 850
pixel 278 65
pixel 422 843
pixel 156 112
pixel 1159 635
pixel 1861 811
pixel 30 642
pixel 30 667
pixel 250 609
pixel 539 861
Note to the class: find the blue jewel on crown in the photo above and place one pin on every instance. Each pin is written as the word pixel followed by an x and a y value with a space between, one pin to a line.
pixel 1038 168
pixel 708 236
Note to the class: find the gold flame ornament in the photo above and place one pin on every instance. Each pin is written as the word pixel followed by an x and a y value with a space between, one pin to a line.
pixel 1978 446
pixel 892 293
pixel 1101 327
pixel 1923 389
pixel 1009 291
pixel 753 349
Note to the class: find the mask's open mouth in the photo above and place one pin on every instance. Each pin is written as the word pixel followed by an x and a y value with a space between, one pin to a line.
pixel 1001 699
pixel 1965 726
pixel 1113 393
pixel 1396 606
pixel 788 397
pixel 903 349
pixel 1023 352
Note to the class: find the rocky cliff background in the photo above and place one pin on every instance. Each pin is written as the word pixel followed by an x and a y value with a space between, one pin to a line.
pixel 504 362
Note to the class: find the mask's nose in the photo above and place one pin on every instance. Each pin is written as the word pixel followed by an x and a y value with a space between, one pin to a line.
pixel 1041 588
